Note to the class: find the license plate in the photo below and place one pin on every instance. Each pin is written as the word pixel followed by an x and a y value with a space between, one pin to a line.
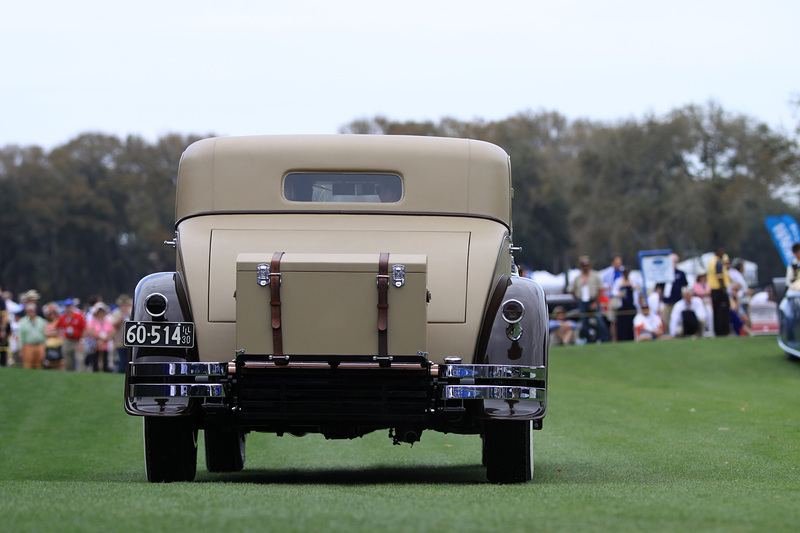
pixel 159 334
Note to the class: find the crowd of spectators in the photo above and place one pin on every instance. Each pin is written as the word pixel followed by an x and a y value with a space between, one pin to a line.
pixel 69 335
pixel 63 335
pixel 611 307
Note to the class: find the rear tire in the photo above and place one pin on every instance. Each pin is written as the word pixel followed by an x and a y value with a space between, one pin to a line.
pixel 225 450
pixel 508 450
pixel 170 449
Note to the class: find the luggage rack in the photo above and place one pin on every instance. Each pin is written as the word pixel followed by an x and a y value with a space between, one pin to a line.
pixel 247 361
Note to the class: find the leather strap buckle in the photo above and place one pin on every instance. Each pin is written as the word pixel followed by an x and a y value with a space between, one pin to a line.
pixel 383 306
pixel 275 305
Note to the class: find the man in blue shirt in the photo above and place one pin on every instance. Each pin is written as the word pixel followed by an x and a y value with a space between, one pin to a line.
pixel 672 291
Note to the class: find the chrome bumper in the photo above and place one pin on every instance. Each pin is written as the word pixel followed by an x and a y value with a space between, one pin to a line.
pixel 490 392
pixel 451 382
pixel 177 369
pixel 191 380
pixel 160 390
pixel 492 382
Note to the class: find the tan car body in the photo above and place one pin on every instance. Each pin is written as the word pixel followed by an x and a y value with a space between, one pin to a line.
pixel 451 177
pixel 448 230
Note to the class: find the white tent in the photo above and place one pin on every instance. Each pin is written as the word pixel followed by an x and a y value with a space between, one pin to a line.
pixel 699 264
pixel 551 283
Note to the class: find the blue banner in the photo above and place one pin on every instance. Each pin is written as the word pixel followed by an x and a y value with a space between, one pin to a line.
pixel 785 232
pixel 791 224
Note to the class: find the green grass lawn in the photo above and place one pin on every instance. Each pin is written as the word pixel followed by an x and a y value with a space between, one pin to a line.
pixel 682 435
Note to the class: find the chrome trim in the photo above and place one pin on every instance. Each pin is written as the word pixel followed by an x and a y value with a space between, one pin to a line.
pixel 493 372
pixel 147 300
pixel 262 274
pixel 514 332
pixel 492 392
pixel 178 369
pixel 398 275
pixel 790 350
pixel 173 242
pixel 503 310
pixel 178 390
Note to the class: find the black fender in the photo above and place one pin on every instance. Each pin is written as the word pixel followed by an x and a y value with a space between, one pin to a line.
pixel 171 286
pixel 495 347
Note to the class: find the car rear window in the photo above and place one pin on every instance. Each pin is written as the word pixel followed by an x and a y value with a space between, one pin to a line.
pixel 342 187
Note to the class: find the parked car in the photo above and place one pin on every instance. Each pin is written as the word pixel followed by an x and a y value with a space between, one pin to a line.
pixel 764 319
pixel 338 285
pixel 788 317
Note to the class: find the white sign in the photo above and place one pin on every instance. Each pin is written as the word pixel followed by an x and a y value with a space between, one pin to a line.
pixel 657 267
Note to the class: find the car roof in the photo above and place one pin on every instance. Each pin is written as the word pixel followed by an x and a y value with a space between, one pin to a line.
pixel 439 175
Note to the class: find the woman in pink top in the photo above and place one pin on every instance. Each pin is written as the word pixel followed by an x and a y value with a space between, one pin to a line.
pixel 101 329
pixel 700 288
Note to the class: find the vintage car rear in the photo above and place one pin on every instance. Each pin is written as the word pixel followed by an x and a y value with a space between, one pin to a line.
pixel 338 285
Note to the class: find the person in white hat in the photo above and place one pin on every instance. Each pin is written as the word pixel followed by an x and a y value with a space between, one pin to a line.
pixel 101 330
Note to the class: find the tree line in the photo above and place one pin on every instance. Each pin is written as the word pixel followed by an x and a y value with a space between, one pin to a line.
pixel 90 216
pixel 691 181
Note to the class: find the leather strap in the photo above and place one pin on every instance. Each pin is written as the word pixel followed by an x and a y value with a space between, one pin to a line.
pixel 383 305
pixel 275 305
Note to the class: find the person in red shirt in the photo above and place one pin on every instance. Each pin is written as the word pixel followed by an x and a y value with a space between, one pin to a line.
pixel 71 323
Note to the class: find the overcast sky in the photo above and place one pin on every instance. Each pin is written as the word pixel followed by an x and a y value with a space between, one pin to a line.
pixel 311 66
